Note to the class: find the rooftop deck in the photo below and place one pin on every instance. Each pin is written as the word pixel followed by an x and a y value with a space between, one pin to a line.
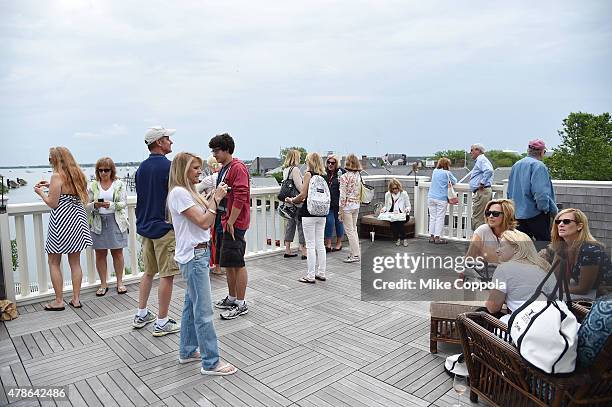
pixel 300 345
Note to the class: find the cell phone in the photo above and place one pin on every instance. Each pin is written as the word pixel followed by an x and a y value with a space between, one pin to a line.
pixel 100 199
pixel 229 189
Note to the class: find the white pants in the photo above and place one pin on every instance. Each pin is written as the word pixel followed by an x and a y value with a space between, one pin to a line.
pixel 437 213
pixel 350 228
pixel 314 234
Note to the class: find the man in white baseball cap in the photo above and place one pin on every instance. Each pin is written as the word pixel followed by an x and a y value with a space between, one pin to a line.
pixel 156 132
pixel 157 234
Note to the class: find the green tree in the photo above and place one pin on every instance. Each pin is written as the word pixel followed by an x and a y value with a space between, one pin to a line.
pixel 585 152
pixel 302 151
pixel 502 158
pixel 457 157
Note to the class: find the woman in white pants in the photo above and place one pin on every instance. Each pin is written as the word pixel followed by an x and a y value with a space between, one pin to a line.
pixel 350 187
pixel 437 199
pixel 313 226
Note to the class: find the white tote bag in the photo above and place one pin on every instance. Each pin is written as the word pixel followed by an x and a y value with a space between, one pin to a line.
pixel 545 331
pixel 453 198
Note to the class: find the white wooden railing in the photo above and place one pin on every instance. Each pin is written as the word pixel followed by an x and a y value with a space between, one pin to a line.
pixel 458 223
pixel 31 282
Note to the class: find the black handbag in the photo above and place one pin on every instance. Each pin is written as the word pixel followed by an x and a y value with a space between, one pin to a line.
pixel 288 188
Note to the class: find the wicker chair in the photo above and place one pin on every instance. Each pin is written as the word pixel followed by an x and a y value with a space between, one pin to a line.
pixel 500 376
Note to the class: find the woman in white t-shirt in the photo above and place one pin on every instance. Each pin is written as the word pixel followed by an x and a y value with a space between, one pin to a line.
pixel 192 216
pixel 499 217
pixel 519 273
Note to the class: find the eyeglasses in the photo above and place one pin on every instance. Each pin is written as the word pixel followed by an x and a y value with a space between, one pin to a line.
pixel 495 214
pixel 104 170
pixel 564 221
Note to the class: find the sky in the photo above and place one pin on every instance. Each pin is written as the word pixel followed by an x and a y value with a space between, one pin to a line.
pixel 367 77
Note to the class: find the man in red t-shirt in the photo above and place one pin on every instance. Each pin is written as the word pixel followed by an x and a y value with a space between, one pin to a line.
pixel 232 227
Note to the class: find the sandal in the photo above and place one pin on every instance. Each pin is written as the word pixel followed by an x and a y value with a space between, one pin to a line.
pixel 441 241
pixel 222 369
pixel 337 249
pixel 320 278
pixel 48 307
pixel 102 291
pixel 121 289
pixel 306 280
pixel 75 306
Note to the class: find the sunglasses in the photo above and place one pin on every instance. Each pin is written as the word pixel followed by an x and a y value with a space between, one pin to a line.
pixel 564 221
pixel 331 162
pixel 495 214
pixel 104 170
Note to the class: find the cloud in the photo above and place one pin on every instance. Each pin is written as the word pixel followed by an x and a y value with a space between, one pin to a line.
pixel 114 131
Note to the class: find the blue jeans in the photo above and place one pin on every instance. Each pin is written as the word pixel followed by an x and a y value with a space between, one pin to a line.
pixel 197 329
pixel 332 221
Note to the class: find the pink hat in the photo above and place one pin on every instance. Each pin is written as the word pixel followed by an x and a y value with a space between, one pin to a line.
pixel 537 144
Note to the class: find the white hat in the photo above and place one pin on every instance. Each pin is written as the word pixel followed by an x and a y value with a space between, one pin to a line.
pixel 156 132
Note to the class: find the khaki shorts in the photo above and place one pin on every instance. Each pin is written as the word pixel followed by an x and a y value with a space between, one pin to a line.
pixel 158 255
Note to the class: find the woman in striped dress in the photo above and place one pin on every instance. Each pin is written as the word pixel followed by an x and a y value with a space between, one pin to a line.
pixel 68 227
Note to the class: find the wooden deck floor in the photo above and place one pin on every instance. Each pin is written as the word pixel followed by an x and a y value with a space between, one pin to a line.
pixel 300 345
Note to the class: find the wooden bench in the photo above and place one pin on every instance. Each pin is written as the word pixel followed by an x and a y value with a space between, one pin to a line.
pixel 382 228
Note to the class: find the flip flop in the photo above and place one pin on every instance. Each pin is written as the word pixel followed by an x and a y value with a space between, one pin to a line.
pixel 121 289
pixel 101 292
pixel 75 306
pixel 339 249
pixel 48 308
pixel 222 369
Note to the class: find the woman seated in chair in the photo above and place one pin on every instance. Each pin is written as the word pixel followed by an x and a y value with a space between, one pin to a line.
pixel 398 202
pixel 499 217
pixel 520 270
pixel 588 262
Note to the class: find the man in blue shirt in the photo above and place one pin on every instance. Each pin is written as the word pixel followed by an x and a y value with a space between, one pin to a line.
pixel 480 184
pixel 531 189
pixel 157 234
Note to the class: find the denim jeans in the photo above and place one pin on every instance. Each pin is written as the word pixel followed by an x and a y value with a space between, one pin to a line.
pixel 333 222
pixel 197 329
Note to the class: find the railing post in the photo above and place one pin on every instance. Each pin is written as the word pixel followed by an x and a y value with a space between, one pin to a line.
pixel 6 268
pixel 41 256
pixel 22 255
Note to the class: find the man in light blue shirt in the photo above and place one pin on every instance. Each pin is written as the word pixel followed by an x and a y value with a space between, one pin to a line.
pixel 531 189
pixel 480 184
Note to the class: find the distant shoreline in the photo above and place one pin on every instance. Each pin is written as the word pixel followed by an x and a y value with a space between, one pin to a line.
pixel 127 164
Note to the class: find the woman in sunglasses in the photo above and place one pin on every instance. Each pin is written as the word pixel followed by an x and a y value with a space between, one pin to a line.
pixel 499 217
pixel 108 222
pixel 332 176
pixel 588 262
pixel 397 202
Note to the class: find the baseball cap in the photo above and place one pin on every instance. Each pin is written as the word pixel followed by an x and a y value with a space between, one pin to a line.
pixel 537 144
pixel 156 132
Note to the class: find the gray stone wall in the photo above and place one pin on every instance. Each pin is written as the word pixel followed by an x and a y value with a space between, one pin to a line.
pixel 595 203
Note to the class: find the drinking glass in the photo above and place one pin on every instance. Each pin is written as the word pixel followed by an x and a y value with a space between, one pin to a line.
pixel 460 385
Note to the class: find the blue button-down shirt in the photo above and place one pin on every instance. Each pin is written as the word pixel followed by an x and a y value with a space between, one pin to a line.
pixel 482 173
pixel 531 189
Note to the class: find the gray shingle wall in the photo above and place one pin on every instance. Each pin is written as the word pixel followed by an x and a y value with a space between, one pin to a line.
pixel 595 203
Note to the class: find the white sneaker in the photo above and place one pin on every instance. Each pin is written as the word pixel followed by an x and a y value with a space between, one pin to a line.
pixel 351 259
pixel 398 242
pixel 405 242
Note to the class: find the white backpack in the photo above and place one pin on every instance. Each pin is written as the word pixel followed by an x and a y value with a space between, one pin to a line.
pixel 319 198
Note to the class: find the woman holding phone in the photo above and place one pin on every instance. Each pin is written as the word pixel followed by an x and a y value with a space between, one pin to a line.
pixel 108 222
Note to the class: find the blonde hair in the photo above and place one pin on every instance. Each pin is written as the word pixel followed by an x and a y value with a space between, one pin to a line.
pixel 314 163
pixel 73 177
pixel 106 161
pixel 292 159
pixel 212 163
pixel 335 157
pixel 179 170
pixel 507 206
pixel 444 163
pixel 526 250
pixel 352 163
pixel 395 183
pixel 584 235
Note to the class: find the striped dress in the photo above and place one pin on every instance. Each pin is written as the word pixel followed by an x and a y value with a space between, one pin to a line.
pixel 68 227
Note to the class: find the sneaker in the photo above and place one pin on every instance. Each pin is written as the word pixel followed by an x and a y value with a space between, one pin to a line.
pixel 351 259
pixel 405 242
pixel 398 242
pixel 225 304
pixel 235 312
pixel 195 357
pixel 170 327
pixel 140 322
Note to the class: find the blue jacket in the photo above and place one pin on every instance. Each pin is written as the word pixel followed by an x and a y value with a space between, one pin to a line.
pixel 531 189
pixel 439 184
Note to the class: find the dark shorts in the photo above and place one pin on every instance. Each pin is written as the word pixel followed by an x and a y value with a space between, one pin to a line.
pixel 231 252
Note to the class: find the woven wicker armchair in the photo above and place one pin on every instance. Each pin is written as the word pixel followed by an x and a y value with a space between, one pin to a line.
pixel 501 377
